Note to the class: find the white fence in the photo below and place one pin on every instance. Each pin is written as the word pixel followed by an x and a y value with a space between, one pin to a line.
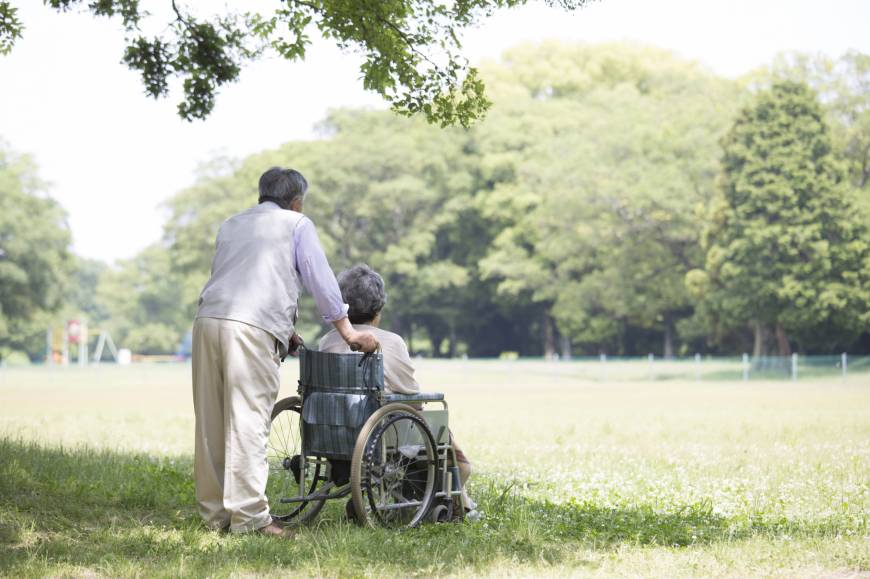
pixel 741 368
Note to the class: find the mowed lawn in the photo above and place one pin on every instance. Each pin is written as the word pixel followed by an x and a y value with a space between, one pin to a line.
pixel 576 477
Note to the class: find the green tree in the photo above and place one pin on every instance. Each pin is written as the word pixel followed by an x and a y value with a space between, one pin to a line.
pixel 843 86
pixel 412 49
pixel 395 188
pixel 10 27
pixel 143 298
pixel 384 190
pixel 598 156
pixel 785 248
pixel 34 256
pixel 82 297
pixel 479 233
pixel 574 212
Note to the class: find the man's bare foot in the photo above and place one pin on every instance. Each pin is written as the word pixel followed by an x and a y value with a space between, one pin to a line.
pixel 275 531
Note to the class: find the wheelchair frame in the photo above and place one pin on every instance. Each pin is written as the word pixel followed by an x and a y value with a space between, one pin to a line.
pixel 318 481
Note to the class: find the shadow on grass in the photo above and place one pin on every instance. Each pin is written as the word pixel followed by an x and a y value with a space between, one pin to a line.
pixel 70 512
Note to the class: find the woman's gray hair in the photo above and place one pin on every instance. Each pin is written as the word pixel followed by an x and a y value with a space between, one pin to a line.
pixel 363 291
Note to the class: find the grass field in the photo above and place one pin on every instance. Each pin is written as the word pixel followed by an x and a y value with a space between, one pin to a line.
pixel 577 477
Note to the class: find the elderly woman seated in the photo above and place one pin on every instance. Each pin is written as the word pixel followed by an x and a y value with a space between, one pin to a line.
pixel 363 290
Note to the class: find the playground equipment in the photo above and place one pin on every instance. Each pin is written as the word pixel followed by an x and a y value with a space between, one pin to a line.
pixel 58 340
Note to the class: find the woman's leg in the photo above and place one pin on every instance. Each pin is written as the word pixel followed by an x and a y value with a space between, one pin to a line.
pixel 464 467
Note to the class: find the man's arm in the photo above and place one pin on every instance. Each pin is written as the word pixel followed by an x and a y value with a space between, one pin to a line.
pixel 318 278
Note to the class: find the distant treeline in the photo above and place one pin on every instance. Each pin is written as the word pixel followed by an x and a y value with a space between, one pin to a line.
pixel 616 199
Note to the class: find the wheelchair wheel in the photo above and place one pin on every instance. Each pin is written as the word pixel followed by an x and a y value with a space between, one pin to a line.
pixel 393 468
pixel 441 514
pixel 283 455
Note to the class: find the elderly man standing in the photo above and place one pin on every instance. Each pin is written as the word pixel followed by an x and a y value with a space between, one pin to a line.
pixel 243 329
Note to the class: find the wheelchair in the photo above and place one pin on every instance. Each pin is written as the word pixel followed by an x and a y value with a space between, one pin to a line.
pixel 344 436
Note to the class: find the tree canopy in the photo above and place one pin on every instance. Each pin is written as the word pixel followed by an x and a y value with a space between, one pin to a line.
pixel 785 247
pixel 34 254
pixel 843 87
pixel 610 148
pixel 412 49
pixel 616 199
pixel 571 216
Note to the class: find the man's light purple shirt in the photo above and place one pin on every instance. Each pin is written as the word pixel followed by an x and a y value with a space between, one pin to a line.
pixel 317 276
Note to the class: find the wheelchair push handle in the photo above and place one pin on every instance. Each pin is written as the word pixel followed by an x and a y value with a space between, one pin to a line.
pixel 366 355
pixel 356 347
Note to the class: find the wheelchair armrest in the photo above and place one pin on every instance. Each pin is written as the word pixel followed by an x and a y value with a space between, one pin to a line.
pixel 419 397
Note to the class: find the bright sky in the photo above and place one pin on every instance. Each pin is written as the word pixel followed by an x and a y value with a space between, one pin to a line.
pixel 113 156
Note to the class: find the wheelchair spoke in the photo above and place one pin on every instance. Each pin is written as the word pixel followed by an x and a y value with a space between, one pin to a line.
pixel 288 477
pixel 282 438
pixel 284 434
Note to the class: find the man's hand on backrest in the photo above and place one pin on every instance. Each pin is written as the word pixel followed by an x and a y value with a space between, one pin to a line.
pixel 295 341
pixel 363 342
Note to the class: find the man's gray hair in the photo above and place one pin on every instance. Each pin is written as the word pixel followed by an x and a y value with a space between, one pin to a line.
pixel 282 186
pixel 362 288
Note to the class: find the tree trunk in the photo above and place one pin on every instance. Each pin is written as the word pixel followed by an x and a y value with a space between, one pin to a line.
pixel 549 338
pixel 410 338
pixel 451 347
pixel 625 340
pixel 669 339
pixel 436 338
pixel 782 341
pixel 758 346
pixel 396 324
pixel 565 343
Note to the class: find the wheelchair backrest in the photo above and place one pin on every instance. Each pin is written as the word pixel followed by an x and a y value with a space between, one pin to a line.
pixel 339 393
pixel 328 371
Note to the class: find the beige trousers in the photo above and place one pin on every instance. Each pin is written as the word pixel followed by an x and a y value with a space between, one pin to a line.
pixel 235 384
